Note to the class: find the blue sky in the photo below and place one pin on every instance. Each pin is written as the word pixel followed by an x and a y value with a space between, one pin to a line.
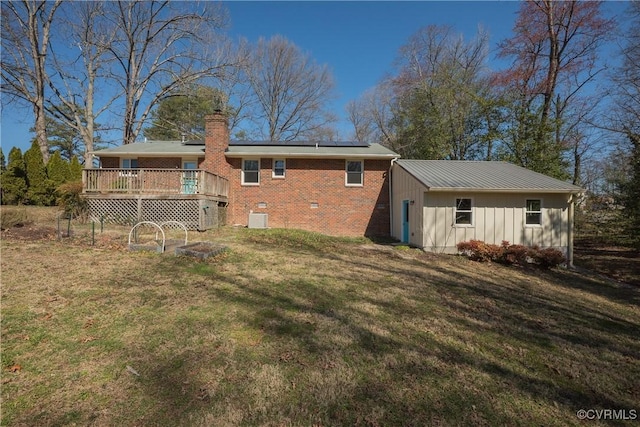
pixel 358 40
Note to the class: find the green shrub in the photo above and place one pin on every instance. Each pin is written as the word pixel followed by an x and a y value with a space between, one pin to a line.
pixel 40 189
pixel 58 169
pixel 14 179
pixel 75 169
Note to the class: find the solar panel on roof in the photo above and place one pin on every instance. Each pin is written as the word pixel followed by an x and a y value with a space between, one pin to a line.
pixel 300 143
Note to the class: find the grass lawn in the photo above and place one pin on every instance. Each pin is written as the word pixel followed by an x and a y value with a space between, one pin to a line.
pixel 293 328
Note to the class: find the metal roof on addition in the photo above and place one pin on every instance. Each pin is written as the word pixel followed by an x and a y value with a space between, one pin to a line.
pixel 495 176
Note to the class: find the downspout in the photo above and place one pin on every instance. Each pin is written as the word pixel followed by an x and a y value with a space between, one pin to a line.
pixel 570 237
pixel 391 198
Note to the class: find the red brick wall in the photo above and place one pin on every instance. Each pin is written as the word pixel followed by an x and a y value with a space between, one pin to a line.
pixel 216 141
pixel 342 210
pixel 160 162
pixel 145 162
pixel 110 162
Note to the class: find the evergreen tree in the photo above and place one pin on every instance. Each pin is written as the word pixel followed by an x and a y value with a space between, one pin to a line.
pixel 3 165
pixel 40 189
pixel 75 169
pixel 66 138
pixel 14 182
pixel 182 113
pixel 58 170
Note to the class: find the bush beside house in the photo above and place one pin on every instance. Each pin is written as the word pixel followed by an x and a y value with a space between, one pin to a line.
pixel 509 254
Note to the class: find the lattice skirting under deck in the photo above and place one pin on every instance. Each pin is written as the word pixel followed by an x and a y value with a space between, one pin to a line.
pixel 195 214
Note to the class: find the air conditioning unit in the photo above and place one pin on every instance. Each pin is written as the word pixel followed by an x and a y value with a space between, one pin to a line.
pixel 258 220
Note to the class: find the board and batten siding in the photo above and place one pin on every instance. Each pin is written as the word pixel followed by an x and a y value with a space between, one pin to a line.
pixel 406 187
pixel 496 217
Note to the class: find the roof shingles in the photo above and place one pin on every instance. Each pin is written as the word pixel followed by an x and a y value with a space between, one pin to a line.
pixel 240 149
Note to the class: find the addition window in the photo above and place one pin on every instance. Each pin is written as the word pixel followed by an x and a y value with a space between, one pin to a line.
pixel 354 173
pixel 279 167
pixel 250 172
pixel 464 212
pixel 533 212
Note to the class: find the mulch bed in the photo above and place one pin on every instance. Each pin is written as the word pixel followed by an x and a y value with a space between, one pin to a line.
pixel 30 233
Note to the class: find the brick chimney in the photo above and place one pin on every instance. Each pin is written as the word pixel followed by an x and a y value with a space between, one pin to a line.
pixel 216 141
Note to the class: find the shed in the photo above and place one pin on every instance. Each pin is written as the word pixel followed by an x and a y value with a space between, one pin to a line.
pixel 438 203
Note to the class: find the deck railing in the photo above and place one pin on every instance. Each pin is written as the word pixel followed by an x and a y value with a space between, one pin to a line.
pixel 154 182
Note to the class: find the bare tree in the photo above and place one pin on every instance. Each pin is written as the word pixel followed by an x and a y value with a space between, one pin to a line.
pixel 74 76
pixel 379 103
pixel 290 89
pixel 625 122
pixel 555 55
pixel 159 46
pixel 26 28
pixel 233 84
pixel 362 122
pixel 371 117
pixel 442 95
pixel 625 117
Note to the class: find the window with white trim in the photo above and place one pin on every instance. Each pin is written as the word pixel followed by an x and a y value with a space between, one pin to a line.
pixel 250 172
pixel 189 164
pixel 279 168
pixel 354 171
pixel 129 163
pixel 533 214
pixel 464 211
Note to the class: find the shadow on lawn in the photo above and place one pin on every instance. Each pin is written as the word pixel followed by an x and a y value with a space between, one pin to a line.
pixel 606 288
pixel 302 312
pixel 552 318
pixel 514 318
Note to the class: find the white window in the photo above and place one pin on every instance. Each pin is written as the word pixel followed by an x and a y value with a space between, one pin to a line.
pixel 279 168
pixel 533 212
pixel 464 211
pixel 129 163
pixel 354 173
pixel 250 172
pixel 189 164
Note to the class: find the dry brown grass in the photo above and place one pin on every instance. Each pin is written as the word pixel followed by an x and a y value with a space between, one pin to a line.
pixel 292 328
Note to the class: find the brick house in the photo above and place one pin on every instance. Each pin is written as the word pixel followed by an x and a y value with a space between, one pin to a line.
pixel 334 188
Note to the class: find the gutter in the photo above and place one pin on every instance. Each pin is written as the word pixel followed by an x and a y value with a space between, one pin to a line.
pixel 391 207
pixel 312 155
pixel 570 232
pixel 498 190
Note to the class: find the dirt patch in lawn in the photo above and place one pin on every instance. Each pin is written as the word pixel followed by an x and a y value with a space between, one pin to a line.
pixel 30 233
